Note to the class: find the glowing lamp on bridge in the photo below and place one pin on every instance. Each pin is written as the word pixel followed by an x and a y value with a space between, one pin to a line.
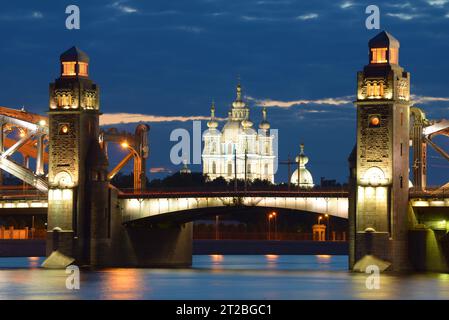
pixel 125 145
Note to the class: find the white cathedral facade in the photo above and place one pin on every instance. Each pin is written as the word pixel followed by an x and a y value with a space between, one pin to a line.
pixel 238 150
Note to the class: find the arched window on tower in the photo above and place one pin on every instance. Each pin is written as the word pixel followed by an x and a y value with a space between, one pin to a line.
pixel 265 169
pixel 214 167
pixel 375 89
pixel 229 169
pixel 379 55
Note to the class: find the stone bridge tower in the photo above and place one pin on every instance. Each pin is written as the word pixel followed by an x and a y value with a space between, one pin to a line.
pixel 74 131
pixel 378 214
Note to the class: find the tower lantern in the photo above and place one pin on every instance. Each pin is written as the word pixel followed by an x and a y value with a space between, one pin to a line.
pixel 74 63
pixel 384 48
pixel 74 90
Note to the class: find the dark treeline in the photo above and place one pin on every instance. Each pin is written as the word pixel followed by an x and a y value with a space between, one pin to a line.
pixel 198 180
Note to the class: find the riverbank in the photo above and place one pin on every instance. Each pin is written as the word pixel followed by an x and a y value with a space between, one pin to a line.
pixel 36 248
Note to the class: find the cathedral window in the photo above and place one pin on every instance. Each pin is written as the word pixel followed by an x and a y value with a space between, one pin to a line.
pixel 214 167
pixel 229 169
pixel 265 169
pixel 379 55
pixel 68 69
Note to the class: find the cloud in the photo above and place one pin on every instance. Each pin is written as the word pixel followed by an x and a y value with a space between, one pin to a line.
pixel 402 5
pixel 346 4
pixel 428 99
pixel 117 118
pixel 19 17
pixel 307 16
pixel 253 18
pixel 403 16
pixel 118 5
pixel 37 15
pixel 437 3
pixel 191 29
pixel 288 104
pixel 160 170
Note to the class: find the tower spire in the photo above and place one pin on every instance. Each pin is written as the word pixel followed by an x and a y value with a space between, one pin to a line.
pixel 212 123
pixel 239 89
pixel 212 110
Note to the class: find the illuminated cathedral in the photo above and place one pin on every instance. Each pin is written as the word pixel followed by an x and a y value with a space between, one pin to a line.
pixel 238 151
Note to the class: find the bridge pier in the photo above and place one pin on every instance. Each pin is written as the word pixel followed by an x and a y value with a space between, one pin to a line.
pixel 139 244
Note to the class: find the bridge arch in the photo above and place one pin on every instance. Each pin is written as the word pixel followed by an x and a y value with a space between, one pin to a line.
pixel 134 208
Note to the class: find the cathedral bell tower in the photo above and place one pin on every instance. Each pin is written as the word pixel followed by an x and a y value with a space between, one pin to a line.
pixel 74 127
pixel 378 219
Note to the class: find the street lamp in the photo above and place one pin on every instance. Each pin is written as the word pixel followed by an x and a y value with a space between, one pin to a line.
pixel 319 219
pixel 216 227
pixel 275 225
pixel 125 145
pixel 328 217
pixel 270 216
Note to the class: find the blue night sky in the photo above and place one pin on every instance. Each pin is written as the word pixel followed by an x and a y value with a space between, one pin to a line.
pixel 168 60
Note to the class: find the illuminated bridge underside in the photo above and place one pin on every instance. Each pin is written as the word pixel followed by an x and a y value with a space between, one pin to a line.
pixel 135 208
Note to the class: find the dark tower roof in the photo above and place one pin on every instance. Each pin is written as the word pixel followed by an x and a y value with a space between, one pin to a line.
pixel 383 40
pixel 74 54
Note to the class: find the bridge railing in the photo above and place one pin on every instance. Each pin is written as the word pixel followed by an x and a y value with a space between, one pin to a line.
pixel 262 190
pixel 429 192
pixel 13 192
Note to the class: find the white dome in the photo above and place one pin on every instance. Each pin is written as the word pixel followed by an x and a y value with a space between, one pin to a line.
pixel 211 133
pixel 305 177
pixel 231 131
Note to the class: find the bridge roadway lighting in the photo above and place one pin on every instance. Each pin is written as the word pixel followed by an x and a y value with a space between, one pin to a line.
pixel 319 219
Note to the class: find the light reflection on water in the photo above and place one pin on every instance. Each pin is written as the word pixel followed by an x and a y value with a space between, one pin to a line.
pixel 219 277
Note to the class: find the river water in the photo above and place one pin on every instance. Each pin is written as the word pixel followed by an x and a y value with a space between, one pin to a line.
pixel 219 277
